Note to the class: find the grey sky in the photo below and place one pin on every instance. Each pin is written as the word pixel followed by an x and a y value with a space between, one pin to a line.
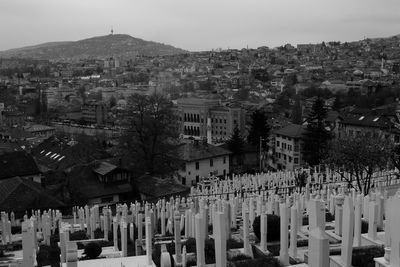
pixel 198 24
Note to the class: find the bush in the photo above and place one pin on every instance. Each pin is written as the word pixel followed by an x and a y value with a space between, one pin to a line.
pixel 190 245
pixel 273 227
pixel 191 262
pixel 16 230
pixel 240 257
pixel 48 255
pixel 78 235
pixel 92 250
pixel 267 261
pixel 233 243
pixel 364 227
pixel 329 217
pixel 364 257
pixel 209 251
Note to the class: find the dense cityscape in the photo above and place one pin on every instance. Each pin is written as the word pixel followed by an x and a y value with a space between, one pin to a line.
pixel 110 144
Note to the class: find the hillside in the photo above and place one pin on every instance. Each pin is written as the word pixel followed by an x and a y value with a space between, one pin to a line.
pixel 120 45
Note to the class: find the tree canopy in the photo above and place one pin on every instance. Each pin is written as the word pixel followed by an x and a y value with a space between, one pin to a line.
pixel 236 145
pixel 316 138
pixel 360 157
pixel 151 137
pixel 259 127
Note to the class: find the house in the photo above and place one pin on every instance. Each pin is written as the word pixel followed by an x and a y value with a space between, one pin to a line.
pixel 19 164
pixel 19 195
pixel 99 183
pixel 287 154
pixel 199 159
pixel 248 160
pixel 60 154
pixel 108 173
pixel 373 125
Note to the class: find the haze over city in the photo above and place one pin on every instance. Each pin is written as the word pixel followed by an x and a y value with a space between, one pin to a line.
pixel 198 25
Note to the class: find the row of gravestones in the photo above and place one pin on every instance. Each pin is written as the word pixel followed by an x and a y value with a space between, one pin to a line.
pixel 288 179
pixel 188 209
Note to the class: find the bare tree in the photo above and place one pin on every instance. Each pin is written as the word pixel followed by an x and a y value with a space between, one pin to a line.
pixel 359 157
pixel 150 140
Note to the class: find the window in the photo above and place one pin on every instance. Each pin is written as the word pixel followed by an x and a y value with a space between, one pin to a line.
pixel 224 160
pixel 224 172
pixel 296 161
pixel 197 165
pixel 284 156
pixel 197 178
pixel 183 180
pixel 211 162
pixel 277 143
pixel 290 159
pixel 296 147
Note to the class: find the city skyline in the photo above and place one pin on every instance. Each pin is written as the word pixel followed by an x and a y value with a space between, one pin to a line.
pixel 197 26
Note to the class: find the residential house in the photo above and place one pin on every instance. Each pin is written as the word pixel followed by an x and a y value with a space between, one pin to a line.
pixel 19 164
pixel 19 195
pixel 199 159
pixel 287 151
pixel 100 183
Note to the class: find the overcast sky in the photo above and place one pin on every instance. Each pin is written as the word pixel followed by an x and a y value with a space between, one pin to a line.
pixel 198 24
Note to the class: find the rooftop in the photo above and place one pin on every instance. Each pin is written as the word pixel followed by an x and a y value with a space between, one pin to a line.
pixel 19 194
pixel 18 163
pixel 199 150
pixel 157 187
pixel 292 130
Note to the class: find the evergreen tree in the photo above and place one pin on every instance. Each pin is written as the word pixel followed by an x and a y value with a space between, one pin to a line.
pixel 297 113
pixel 259 127
pixel 337 105
pixel 236 145
pixel 317 137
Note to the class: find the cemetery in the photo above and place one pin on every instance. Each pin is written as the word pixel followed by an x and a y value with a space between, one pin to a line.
pixel 249 220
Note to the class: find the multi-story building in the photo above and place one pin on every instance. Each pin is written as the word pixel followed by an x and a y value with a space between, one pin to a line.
pixel 94 113
pixel 287 148
pixel 376 126
pixel 206 118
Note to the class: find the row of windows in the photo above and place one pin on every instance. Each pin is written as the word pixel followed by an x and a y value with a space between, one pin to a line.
pixel 216 120
pixel 190 130
pixel 189 117
pixel 288 158
pixel 287 146
pixel 211 163
pixel 220 132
